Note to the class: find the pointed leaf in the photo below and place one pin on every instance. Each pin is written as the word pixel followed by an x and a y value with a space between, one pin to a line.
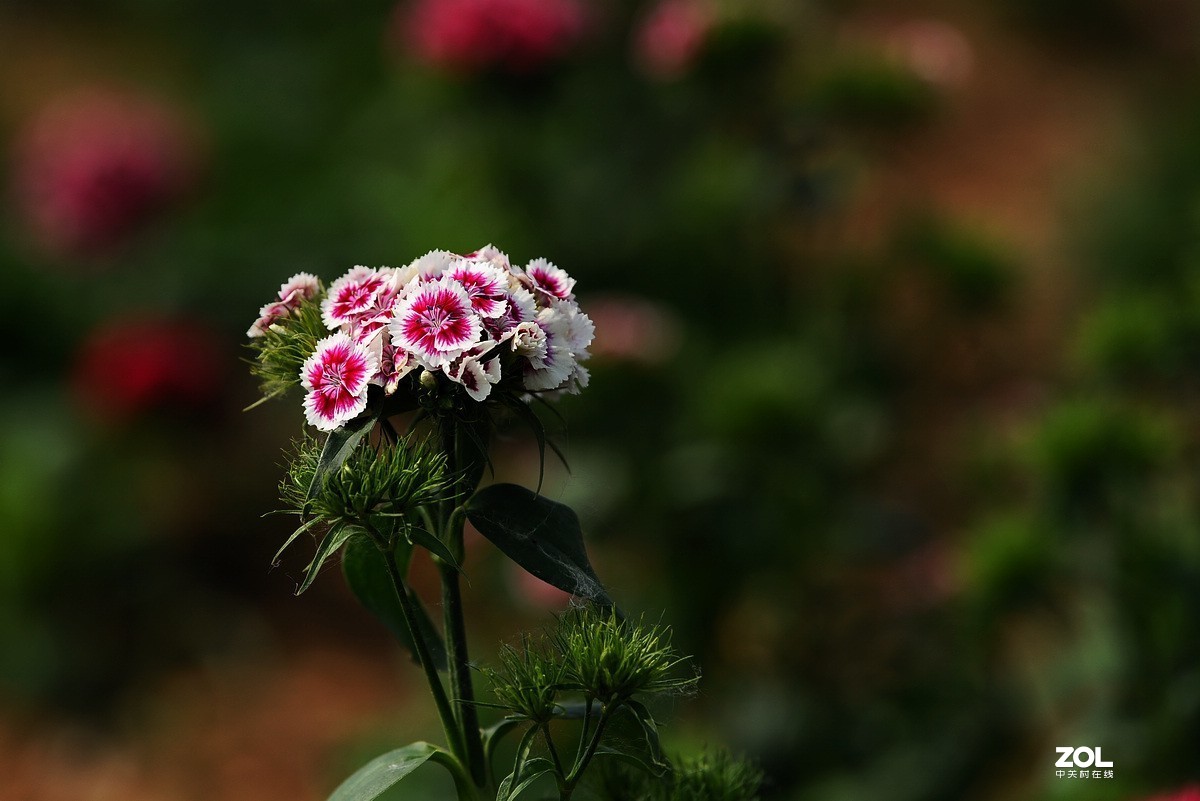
pixel 531 771
pixel 493 734
pixel 538 534
pixel 305 527
pixel 649 727
pixel 374 778
pixel 335 539
pixel 632 759
pixel 367 576
pixel 419 536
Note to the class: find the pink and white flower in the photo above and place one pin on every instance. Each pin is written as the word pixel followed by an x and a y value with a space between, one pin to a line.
pixel 336 377
pixel 548 281
pixel 476 376
pixel 294 291
pixel 565 327
pixel 352 297
pixel 493 254
pixel 520 307
pixel 301 286
pixel 435 322
pixel 486 286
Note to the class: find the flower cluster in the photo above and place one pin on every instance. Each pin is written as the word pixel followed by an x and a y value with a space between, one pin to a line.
pixel 476 320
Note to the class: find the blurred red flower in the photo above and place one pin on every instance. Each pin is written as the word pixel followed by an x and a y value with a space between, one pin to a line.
pixel 515 36
pixel 1186 794
pixel 90 169
pixel 128 368
pixel 670 38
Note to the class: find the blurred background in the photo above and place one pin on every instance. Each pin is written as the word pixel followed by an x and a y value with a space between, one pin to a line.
pixel 895 410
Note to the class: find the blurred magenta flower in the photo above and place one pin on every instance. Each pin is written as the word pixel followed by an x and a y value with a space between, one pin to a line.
pixel 127 368
pixel 91 169
pixel 671 37
pixel 632 329
pixel 515 36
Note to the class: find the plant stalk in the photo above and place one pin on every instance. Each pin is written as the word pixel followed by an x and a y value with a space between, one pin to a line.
pixel 445 711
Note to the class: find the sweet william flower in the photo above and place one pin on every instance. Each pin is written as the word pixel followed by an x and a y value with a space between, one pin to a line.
pixel 298 288
pixel 352 296
pixel 435 322
pixel 548 281
pixel 336 377
pixel 486 286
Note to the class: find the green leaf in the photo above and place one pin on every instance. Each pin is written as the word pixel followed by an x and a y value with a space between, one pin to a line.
pixel 493 734
pixel 340 444
pixel 538 534
pixel 367 576
pixel 292 538
pixel 335 539
pixel 531 770
pixel 649 728
pixel 632 759
pixel 419 536
pixel 375 777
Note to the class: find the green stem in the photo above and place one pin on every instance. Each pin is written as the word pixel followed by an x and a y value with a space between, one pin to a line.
pixel 577 772
pixel 461 683
pixel 462 782
pixel 445 712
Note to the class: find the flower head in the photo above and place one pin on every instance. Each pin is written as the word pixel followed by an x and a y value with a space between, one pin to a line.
pixel 486 286
pixel 549 281
pixel 435 322
pixel 294 291
pixel 352 297
pixel 336 378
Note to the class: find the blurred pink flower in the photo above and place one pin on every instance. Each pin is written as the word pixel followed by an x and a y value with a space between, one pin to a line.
pixel 90 169
pixel 632 329
pixel 127 368
pixel 670 38
pixel 935 50
pixel 516 36
pixel 1191 793
pixel 535 593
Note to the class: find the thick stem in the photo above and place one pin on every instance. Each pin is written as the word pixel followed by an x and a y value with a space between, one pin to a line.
pixel 445 711
pixel 461 683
